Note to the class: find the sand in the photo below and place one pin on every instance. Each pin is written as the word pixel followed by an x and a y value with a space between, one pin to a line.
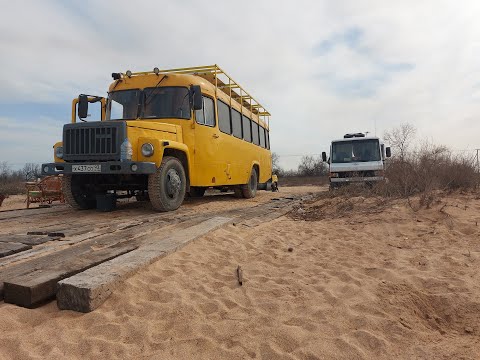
pixel 364 279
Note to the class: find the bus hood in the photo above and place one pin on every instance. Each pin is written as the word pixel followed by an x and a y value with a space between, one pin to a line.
pixel 356 166
pixel 157 126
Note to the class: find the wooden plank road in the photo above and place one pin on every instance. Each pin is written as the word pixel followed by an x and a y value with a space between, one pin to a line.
pixel 110 248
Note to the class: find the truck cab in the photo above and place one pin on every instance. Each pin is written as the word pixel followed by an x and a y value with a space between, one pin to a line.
pixel 356 159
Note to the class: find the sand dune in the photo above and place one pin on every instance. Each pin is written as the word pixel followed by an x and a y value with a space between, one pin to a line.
pixel 358 284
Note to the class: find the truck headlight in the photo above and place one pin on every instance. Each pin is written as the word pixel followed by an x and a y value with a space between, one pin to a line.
pixel 59 152
pixel 147 150
pixel 334 175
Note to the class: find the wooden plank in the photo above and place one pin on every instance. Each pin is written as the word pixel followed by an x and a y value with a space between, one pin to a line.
pixel 86 291
pixel 9 248
pixel 12 214
pixel 26 239
pixel 61 258
pixel 39 285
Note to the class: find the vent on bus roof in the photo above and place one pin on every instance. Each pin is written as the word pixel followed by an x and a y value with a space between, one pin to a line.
pixel 348 136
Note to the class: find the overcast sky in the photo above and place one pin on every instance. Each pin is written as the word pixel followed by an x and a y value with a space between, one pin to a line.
pixel 322 68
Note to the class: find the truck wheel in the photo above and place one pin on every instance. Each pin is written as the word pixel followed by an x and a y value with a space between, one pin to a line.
pixel 167 186
pixel 196 191
pixel 75 196
pixel 249 190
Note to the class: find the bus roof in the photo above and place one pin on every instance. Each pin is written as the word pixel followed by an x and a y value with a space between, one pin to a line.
pixel 222 81
pixel 356 139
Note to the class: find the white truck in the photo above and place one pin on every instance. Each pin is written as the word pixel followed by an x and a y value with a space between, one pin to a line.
pixel 356 159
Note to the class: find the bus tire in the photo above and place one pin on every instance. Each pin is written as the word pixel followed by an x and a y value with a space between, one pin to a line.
pixel 196 191
pixel 167 186
pixel 74 196
pixel 249 190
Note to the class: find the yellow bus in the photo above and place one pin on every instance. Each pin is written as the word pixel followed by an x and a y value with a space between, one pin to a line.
pixel 163 134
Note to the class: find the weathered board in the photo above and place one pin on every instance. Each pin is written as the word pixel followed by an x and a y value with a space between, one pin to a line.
pixel 86 291
pixel 27 239
pixel 39 285
pixel 9 248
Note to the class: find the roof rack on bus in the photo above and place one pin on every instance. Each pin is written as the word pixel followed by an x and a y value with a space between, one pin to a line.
pixel 223 82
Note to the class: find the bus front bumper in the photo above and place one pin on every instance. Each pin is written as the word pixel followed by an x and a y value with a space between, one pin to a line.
pixel 107 167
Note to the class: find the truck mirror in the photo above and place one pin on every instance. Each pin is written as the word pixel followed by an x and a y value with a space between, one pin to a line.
pixel 196 96
pixel 388 152
pixel 82 110
pixel 324 156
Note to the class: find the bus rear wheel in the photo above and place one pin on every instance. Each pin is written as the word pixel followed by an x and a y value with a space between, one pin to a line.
pixel 167 186
pixel 249 190
pixel 75 196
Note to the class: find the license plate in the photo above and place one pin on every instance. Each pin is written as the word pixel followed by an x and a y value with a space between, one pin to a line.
pixel 87 168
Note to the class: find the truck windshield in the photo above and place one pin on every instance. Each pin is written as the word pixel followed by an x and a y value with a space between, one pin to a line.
pixel 355 151
pixel 167 102
pixel 122 105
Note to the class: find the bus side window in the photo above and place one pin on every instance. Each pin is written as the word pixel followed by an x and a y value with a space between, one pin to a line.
pixel 255 133
pixel 262 137
pixel 247 129
pixel 236 124
pixel 209 111
pixel 206 116
pixel 267 138
pixel 199 117
pixel 224 117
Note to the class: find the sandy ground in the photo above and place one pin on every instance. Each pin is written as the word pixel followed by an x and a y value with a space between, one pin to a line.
pixel 364 279
pixel 15 202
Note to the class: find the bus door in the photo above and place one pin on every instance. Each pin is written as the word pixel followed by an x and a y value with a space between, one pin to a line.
pixel 207 169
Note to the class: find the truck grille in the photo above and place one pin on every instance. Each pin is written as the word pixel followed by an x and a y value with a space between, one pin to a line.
pixel 96 141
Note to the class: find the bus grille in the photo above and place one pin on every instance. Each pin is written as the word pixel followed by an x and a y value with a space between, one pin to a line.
pixel 92 142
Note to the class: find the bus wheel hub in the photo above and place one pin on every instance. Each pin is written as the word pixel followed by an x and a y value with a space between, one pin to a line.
pixel 174 183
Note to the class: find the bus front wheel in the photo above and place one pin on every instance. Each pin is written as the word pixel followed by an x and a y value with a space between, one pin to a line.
pixel 249 190
pixel 167 186
pixel 75 195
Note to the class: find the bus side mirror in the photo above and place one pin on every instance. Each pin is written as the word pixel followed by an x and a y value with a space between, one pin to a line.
pixel 324 156
pixel 82 110
pixel 196 96
pixel 388 152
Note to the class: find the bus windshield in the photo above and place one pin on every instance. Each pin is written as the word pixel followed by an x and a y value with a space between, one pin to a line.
pixel 150 103
pixel 355 151
pixel 167 102
pixel 122 105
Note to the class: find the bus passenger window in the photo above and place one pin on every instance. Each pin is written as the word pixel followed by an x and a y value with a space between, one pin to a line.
pixel 206 116
pixel 255 133
pixel 247 128
pixel 224 117
pixel 267 139
pixel 209 111
pixel 262 137
pixel 199 118
pixel 236 124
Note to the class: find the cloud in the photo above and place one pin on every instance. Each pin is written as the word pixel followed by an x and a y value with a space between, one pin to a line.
pixel 321 68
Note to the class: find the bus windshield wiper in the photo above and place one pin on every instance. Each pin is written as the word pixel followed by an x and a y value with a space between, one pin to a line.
pixel 153 91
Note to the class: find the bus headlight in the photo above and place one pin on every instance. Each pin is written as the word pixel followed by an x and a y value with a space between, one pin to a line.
pixel 59 152
pixel 147 150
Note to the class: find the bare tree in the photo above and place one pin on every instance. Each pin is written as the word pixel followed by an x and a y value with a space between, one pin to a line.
pixel 275 163
pixel 400 139
pixel 4 170
pixel 31 171
pixel 310 166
